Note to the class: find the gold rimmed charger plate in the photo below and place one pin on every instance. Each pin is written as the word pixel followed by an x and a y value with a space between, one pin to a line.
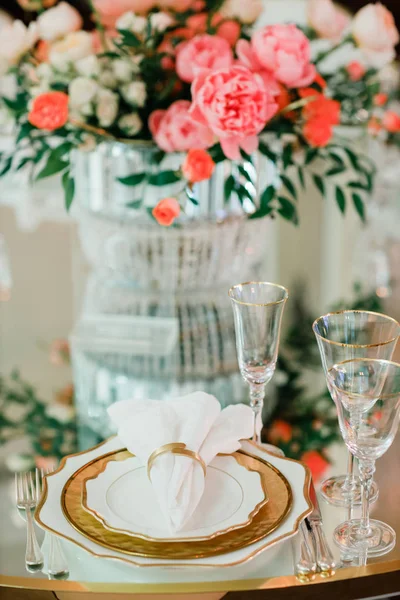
pixel 269 517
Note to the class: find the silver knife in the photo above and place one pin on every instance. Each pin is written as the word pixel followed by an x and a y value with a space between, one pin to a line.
pixel 323 554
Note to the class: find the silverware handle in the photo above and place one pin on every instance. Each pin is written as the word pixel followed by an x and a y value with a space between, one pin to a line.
pixel 57 563
pixel 324 556
pixel 306 566
pixel 33 554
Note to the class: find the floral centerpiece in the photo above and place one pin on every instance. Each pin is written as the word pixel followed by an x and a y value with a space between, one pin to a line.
pixel 192 77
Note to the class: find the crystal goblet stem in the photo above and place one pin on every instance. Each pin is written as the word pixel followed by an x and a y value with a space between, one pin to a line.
pixel 257 394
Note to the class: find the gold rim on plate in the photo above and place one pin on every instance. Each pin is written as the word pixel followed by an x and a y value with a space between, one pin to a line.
pixel 271 515
pixel 95 470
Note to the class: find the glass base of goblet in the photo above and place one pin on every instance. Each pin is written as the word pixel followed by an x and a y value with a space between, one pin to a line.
pixel 380 540
pixel 335 491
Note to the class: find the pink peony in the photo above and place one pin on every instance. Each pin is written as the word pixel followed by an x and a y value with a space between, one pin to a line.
pixel 174 130
pixel 235 104
pixel 284 51
pixel 110 10
pixel 201 54
pixel 326 19
pixel 375 32
pixel 248 58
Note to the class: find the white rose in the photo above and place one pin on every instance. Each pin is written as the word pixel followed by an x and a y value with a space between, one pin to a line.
pixel 81 91
pixel 15 412
pixel 160 21
pixel 124 69
pixel 131 22
pixel 375 32
pixel 107 107
pixel 130 124
pixel 60 412
pixel 58 21
pixel 328 21
pixel 8 87
pixel 44 71
pixel 5 116
pixel 16 463
pixel 135 93
pixel 245 11
pixel 15 40
pixel 108 79
pixel 71 49
pixel 88 66
pixel 37 90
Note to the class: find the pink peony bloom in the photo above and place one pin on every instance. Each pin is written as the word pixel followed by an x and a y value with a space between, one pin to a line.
pixel 235 104
pixel 248 58
pixel 174 130
pixel 201 54
pixel 284 51
pixel 375 32
pixel 326 19
pixel 110 10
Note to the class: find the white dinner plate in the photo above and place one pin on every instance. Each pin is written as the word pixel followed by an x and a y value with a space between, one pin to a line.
pixel 50 517
pixel 122 498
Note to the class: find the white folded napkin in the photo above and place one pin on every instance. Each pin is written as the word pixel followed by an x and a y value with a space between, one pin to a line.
pixel 196 420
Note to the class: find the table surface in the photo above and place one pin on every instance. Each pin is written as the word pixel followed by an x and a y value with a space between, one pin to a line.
pixel 89 575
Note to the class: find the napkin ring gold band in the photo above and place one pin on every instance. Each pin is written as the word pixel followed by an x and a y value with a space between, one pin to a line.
pixel 175 448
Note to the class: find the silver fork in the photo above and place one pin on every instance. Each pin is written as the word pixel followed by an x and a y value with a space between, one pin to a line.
pixel 26 500
pixel 57 566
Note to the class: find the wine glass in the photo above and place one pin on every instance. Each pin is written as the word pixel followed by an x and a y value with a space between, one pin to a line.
pixel 257 308
pixel 367 393
pixel 341 336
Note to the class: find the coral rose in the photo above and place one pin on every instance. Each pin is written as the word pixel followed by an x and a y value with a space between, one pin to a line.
pixel 375 32
pixel 49 111
pixel 355 70
pixel 280 431
pixel 174 130
pixel 110 10
pixel 201 54
pixel 318 132
pixel 236 105
pixel 229 31
pixel 320 107
pixel 391 121
pixel 285 52
pixel 198 165
pixel 166 211
pixel 58 21
pixel 326 19
pixel 374 126
pixel 381 99
pixel 316 463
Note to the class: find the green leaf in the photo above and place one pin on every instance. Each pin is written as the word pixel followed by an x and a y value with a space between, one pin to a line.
pixel 134 204
pixel 24 132
pixel 263 148
pixel 229 184
pixel 289 186
pixel 130 39
pixel 319 184
pixel 134 179
pixel 216 153
pixel 357 185
pixel 243 193
pixel 69 189
pixel 336 171
pixel 301 177
pixel 265 203
pixel 245 173
pixel 54 165
pixel 23 162
pixel 164 178
pixel 359 206
pixel 338 159
pixel 6 167
pixel 287 156
pixel 311 155
pixel 287 210
pixel 62 150
pixel 340 199
pixel 352 157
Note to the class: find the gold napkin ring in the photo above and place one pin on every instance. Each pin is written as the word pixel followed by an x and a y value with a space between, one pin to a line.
pixel 175 448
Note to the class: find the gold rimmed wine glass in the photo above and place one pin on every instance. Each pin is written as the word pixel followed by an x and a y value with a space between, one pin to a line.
pixel 367 393
pixel 347 335
pixel 258 308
